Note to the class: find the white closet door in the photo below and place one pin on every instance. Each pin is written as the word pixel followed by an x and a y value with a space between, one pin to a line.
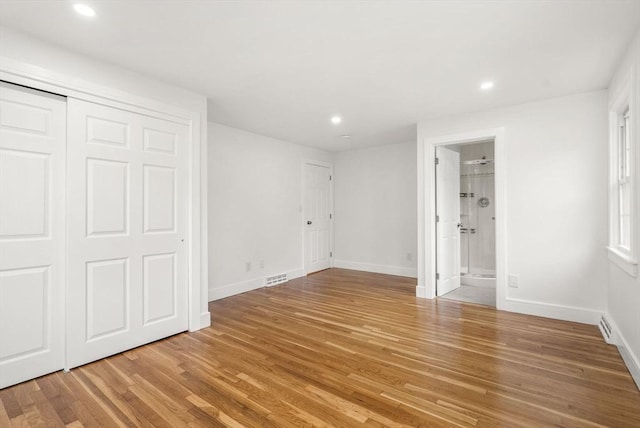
pixel 32 155
pixel 128 221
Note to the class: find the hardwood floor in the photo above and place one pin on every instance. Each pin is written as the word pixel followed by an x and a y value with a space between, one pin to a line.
pixel 344 348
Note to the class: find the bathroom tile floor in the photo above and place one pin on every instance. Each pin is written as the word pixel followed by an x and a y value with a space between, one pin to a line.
pixel 471 294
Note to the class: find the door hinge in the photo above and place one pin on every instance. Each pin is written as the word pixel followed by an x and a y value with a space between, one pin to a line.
pixel 437 161
pixel 330 253
pixel 437 276
pixel 330 216
pixel 330 177
pixel 437 218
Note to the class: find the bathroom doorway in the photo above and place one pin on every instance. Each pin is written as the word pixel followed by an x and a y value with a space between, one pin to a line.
pixel 465 227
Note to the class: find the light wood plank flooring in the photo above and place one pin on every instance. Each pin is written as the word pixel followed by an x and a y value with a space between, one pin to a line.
pixel 344 348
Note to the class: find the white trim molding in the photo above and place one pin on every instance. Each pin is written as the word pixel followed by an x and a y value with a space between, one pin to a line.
pixel 427 208
pixel 228 290
pixel 623 261
pixel 217 293
pixel 624 257
pixel 67 85
pixel 371 267
pixel 551 310
pixel 631 360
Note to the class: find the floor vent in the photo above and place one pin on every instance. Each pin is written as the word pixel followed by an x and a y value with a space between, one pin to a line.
pixel 276 279
pixel 606 330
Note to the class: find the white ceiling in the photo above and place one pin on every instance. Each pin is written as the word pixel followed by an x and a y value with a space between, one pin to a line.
pixel 282 69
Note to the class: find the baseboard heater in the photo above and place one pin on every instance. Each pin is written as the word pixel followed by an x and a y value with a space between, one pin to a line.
pixel 276 279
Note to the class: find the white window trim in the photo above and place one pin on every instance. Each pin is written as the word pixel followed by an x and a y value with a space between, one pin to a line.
pixel 625 98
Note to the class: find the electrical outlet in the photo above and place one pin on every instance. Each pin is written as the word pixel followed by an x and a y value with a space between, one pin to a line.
pixel 248 266
pixel 513 281
pixel 261 264
pixel 409 257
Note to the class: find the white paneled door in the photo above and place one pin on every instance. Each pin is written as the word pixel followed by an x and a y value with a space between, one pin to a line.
pixel 448 220
pixel 128 222
pixel 317 213
pixel 32 200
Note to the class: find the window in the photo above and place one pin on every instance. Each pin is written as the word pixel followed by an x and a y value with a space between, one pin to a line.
pixel 624 179
pixel 624 183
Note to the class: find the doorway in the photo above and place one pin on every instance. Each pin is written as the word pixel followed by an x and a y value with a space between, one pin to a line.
pixel 465 222
pixel 317 216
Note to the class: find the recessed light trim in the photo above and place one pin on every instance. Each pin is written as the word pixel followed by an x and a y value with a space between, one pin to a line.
pixel 346 136
pixel 84 10
pixel 336 120
pixel 485 86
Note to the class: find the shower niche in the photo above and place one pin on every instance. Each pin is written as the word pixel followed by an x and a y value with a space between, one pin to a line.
pixel 477 215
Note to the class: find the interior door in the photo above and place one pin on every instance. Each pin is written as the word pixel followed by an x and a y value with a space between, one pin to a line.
pixel 448 220
pixel 32 202
pixel 128 223
pixel 317 217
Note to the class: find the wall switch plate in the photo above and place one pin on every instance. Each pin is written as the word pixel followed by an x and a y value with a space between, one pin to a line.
pixel 261 264
pixel 513 281
pixel 248 266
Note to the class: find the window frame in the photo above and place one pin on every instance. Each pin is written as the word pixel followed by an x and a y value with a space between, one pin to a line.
pixel 623 176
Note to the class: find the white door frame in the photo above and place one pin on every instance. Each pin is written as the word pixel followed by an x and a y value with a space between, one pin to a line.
pixel 303 219
pixel 427 209
pixel 25 74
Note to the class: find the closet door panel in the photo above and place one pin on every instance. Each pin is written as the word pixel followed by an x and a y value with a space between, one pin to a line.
pixel 32 203
pixel 127 267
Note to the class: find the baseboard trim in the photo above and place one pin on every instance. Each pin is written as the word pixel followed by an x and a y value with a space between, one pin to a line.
pixel 296 273
pixel 549 310
pixel 632 363
pixel 370 267
pixel 630 359
pixel 218 293
pixel 421 291
pixel 205 320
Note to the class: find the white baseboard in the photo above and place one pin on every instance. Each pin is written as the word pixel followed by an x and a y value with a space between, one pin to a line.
pixel 421 291
pixel 236 288
pixel 630 359
pixel 205 320
pixel 217 293
pixel 296 273
pixel 549 310
pixel 370 267
pixel 632 363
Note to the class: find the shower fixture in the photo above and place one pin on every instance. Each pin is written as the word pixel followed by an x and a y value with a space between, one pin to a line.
pixel 477 162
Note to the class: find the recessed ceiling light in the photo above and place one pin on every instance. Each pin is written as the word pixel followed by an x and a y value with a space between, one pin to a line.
pixel 84 10
pixel 345 136
pixel 485 86
pixel 336 120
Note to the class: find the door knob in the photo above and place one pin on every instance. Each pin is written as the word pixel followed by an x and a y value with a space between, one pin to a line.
pixel 309 221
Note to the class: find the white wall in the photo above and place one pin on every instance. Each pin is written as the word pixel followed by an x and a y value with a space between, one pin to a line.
pixel 20 47
pixel 255 208
pixel 624 290
pixel 556 190
pixel 375 209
